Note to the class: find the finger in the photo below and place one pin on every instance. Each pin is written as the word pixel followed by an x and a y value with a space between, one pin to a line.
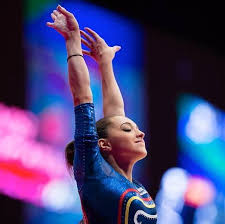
pixel 86 52
pixel 85 43
pixel 50 24
pixel 89 38
pixel 63 11
pixel 56 13
pixel 116 48
pixel 53 16
pixel 92 32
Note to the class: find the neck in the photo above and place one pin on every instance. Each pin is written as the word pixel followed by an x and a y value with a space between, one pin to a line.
pixel 124 169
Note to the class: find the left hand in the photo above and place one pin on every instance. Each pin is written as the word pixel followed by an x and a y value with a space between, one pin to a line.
pixel 99 50
pixel 64 22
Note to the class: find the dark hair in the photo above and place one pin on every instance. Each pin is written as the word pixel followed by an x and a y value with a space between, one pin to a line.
pixel 101 126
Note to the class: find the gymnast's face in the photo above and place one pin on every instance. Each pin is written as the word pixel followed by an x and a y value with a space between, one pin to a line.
pixel 126 140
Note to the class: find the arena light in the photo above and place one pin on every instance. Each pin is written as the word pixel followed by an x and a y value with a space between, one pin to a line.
pixel 26 166
pixel 200 191
pixel 52 121
pixel 202 125
pixel 167 215
pixel 174 183
pixel 14 121
pixel 206 214
pixel 172 189
pixel 60 196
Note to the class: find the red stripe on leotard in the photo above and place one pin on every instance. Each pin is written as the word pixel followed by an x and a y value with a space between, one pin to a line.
pixel 147 199
pixel 121 203
pixel 84 213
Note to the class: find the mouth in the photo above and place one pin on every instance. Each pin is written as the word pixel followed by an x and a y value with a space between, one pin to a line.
pixel 140 141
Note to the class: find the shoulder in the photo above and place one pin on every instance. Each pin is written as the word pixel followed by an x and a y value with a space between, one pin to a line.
pixel 141 189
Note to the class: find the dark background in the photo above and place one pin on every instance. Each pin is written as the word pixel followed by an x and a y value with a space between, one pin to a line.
pixel 185 52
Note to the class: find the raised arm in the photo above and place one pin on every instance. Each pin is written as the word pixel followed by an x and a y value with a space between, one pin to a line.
pixel 66 24
pixel 86 138
pixel 103 54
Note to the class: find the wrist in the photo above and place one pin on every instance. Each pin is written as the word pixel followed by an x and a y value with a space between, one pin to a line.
pixel 72 35
pixel 73 46
pixel 104 62
pixel 105 67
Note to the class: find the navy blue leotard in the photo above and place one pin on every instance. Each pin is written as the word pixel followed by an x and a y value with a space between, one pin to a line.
pixel 106 196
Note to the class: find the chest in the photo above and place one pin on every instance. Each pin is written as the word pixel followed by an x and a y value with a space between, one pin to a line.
pixel 136 206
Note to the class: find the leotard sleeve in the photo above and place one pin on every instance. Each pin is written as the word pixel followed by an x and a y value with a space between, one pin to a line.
pixel 88 162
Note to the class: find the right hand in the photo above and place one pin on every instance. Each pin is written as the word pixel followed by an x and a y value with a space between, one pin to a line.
pixel 98 48
pixel 64 22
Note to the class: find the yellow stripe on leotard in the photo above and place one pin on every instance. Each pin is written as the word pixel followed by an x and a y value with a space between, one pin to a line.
pixel 129 203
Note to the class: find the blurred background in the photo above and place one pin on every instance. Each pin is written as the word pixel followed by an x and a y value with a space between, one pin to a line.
pixel 171 71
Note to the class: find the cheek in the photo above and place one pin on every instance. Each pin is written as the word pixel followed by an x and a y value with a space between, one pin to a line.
pixel 123 143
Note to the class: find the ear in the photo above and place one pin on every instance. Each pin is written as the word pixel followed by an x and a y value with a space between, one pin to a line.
pixel 104 145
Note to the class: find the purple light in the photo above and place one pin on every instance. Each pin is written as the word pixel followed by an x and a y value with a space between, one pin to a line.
pixel 54 126
pixel 26 166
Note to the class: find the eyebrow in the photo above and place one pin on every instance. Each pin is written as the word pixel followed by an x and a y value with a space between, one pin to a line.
pixel 129 124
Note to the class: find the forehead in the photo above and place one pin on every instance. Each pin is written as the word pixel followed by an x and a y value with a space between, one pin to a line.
pixel 117 121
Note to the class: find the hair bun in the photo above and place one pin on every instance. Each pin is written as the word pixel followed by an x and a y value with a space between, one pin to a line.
pixel 69 153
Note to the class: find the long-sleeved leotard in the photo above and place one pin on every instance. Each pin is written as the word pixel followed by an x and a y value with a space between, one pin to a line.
pixel 106 196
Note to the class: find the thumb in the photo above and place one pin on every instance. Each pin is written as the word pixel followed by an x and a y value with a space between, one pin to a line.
pixel 50 24
pixel 116 48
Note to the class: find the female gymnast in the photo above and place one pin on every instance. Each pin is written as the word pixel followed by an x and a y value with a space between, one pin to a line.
pixel 103 153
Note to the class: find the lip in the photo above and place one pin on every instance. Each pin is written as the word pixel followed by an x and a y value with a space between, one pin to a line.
pixel 140 141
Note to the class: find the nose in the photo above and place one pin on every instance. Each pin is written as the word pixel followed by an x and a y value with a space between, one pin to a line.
pixel 140 134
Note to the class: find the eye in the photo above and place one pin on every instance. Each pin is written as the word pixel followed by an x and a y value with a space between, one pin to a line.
pixel 126 129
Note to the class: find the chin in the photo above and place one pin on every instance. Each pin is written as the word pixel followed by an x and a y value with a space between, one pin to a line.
pixel 142 154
